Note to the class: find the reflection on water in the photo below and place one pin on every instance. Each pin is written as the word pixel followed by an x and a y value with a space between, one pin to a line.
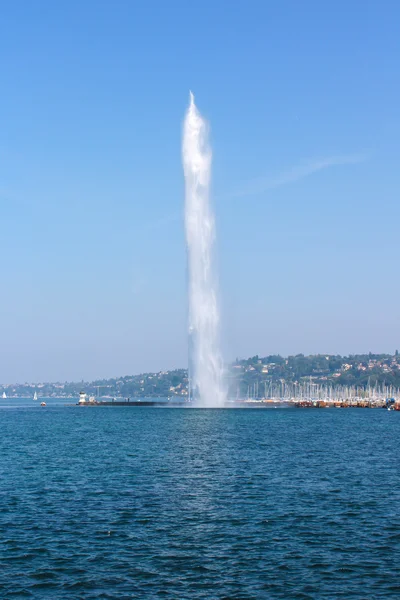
pixel 151 503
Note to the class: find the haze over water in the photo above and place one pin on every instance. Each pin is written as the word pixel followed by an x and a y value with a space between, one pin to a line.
pixel 205 363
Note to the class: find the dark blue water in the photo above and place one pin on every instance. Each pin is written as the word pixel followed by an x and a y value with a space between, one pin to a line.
pixel 189 504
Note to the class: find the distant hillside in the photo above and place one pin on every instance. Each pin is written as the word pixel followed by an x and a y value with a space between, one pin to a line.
pixel 254 373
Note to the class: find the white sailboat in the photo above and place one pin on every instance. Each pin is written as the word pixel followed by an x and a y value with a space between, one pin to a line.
pixel 4 395
pixel 35 396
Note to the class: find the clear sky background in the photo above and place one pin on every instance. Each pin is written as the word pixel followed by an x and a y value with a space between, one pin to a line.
pixel 303 100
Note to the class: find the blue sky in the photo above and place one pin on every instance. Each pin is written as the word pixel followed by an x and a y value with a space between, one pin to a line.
pixel 303 101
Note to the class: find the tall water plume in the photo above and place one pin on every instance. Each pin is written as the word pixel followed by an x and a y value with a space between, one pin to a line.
pixel 205 363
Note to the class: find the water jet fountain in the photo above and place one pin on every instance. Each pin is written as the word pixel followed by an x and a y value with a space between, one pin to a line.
pixel 205 362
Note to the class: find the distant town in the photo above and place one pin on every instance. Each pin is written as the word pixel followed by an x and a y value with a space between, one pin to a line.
pixel 255 377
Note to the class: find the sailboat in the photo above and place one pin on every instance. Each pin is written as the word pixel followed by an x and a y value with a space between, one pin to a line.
pixel 35 396
pixel 4 395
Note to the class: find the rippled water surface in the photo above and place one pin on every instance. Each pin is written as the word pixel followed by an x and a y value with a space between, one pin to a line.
pixel 189 504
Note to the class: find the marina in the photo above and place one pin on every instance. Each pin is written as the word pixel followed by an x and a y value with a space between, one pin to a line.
pixel 350 402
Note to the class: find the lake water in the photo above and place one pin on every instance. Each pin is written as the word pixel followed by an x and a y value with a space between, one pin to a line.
pixel 198 504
